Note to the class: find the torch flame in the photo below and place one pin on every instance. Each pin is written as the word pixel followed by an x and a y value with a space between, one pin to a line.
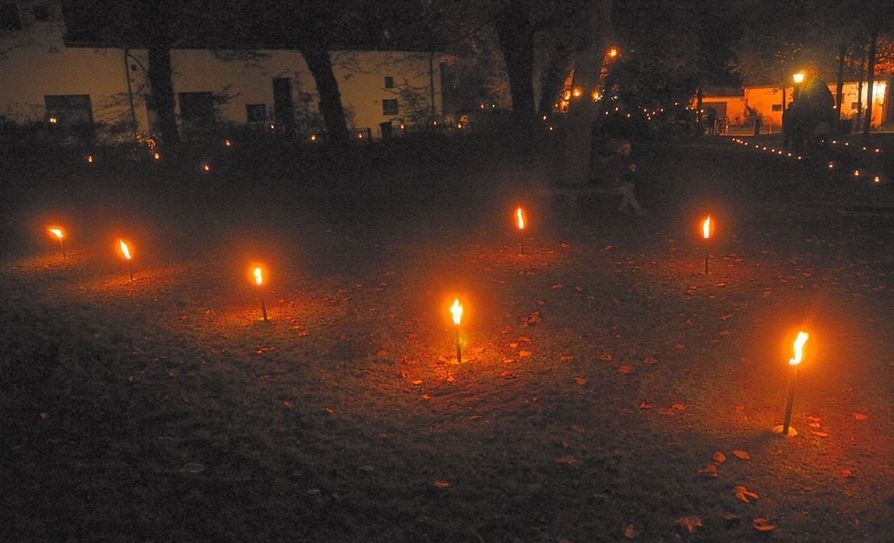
pixel 125 250
pixel 259 276
pixel 520 218
pixel 799 345
pixel 56 232
pixel 706 227
pixel 457 311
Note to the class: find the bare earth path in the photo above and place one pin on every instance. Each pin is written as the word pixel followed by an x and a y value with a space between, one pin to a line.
pixel 604 371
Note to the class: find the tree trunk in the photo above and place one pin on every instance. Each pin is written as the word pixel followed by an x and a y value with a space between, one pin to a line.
pixel 839 85
pixel 163 94
pixel 551 81
pixel 870 80
pixel 516 37
pixel 582 110
pixel 320 65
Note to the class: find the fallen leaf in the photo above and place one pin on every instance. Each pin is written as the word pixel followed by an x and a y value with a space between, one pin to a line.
pixel 568 460
pixel 708 471
pixel 531 320
pixel 726 317
pixel 441 483
pixel 605 357
pixel 666 411
pixel 847 473
pixel 679 346
pixel 524 339
pixel 719 457
pixel 762 525
pixel 192 467
pixel 525 354
pixel 813 419
pixel 860 416
pixel 513 345
pixel 578 429
pixel 649 360
pixel 566 358
pixel 624 369
pixel 630 532
pixel 417 381
pixel 741 455
pixel 367 468
pixel 820 434
pixel 425 397
pixel 679 406
pixel 645 405
pixel 689 523
pixel 288 405
pixel 745 495
pixel 557 285
pixel 731 519
pixel 580 380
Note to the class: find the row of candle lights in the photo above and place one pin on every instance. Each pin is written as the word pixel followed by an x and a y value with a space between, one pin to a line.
pixel 258 276
pixel 829 165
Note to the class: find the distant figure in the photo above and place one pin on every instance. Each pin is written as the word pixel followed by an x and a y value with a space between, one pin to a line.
pixel 787 126
pixel 712 122
pixel 615 172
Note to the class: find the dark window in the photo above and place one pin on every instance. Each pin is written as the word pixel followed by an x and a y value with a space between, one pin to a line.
pixel 777 107
pixel 389 107
pixel 41 12
pixel 196 109
pixel 855 105
pixel 69 109
pixel 255 113
pixel 389 82
pixel 9 17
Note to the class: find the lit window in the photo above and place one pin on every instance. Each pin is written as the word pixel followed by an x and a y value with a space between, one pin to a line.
pixel 389 107
pixel 389 82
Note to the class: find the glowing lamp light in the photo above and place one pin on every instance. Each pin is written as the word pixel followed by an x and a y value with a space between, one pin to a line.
pixel 58 233
pixel 128 256
pixel 313 137
pixel 53 120
pixel 228 143
pixel 577 92
pixel 793 363
pixel 856 173
pixel 798 78
pixel 456 310
pixel 612 52
pixel 89 159
pixel 876 179
pixel 831 165
pixel 156 155
pixel 206 167
pixel 257 274
pixel 707 231
pixel 520 224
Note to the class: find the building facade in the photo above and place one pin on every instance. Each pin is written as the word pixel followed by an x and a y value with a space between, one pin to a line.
pixel 43 80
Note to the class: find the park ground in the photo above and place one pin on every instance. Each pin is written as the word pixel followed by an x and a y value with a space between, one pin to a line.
pixel 610 390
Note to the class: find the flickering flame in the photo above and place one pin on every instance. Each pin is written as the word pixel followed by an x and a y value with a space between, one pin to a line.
pixel 89 159
pixel 799 345
pixel 206 167
pixel 227 143
pixel 612 52
pixel 520 218
pixel 313 137
pixel 577 92
pixel 56 232
pixel 259 276
pixel 457 310
pixel 706 227
pixel 125 250
pixel 156 155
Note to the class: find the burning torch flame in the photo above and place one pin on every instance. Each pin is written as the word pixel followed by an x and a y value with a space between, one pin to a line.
pixel 259 277
pixel 125 250
pixel 457 311
pixel 799 345
pixel 56 232
pixel 520 218
pixel 706 227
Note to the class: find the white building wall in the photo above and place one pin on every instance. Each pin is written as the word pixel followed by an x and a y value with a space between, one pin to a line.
pixel 34 62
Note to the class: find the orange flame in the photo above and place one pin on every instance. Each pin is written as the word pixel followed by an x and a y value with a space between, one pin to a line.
pixel 125 250
pixel 520 217
pixel 799 346
pixel 56 232
pixel 156 156
pixel 89 159
pixel 259 276
pixel 706 227
pixel 206 167
pixel 457 310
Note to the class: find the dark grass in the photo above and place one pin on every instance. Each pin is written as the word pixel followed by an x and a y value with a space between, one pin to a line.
pixel 111 388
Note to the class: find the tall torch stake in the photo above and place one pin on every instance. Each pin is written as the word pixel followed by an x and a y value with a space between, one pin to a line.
pixel 125 250
pixel 706 233
pixel 457 311
pixel 793 376
pixel 59 234
pixel 520 223
pixel 259 281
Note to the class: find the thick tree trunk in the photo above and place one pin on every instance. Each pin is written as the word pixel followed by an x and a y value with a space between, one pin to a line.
pixel 870 80
pixel 163 94
pixel 839 85
pixel 320 65
pixel 582 110
pixel 551 81
pixel 516 37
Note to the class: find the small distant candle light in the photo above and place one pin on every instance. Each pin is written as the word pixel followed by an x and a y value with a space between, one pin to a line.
pixel 206 167
pixel 520 224
pixel 876 179
pixel 59 234
pixel 156 155
pixel 89 159
pixel 831 165
pixel 228 143
pixel 856 173
pixel 53 120
pixel 313 137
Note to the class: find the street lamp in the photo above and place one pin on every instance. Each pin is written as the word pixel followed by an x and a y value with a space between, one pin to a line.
pixel 798 78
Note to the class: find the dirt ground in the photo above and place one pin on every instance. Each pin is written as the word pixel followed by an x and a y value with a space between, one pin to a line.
pixel 610 390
